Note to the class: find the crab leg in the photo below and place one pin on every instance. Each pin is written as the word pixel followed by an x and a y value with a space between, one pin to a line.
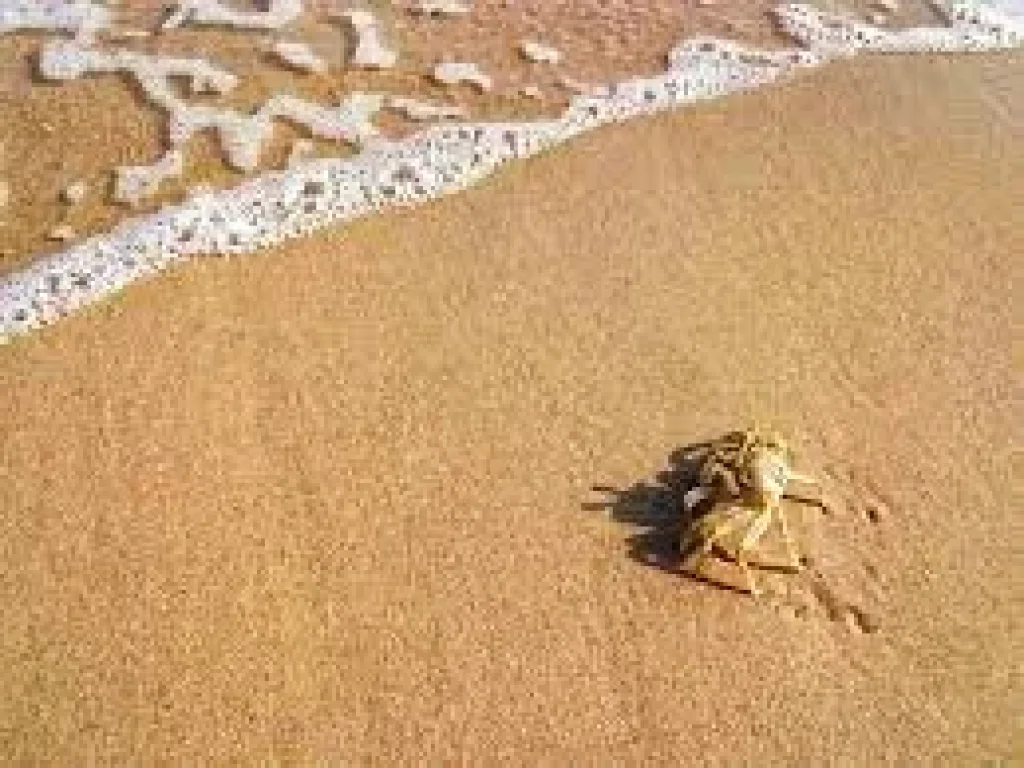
pixel 753 534
pixel 728 519
pixel 794 558
pixel 821 501
pixel 720 530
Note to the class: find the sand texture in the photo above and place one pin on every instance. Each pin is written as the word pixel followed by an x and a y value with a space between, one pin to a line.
pixel 397 494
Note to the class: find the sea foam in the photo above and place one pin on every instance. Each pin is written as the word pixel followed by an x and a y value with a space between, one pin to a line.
pixel 310 195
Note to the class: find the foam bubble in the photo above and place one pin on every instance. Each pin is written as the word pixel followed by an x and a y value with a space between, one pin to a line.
pixel 214 12
pixel 78 16
pixel 972 28
pixel 135 182
pixel 299 55
pixel 441 8
pixel 241 136
pixel 539 53
pixel 68 60
pixel 422 111
pixel 371 51
pixel 455 72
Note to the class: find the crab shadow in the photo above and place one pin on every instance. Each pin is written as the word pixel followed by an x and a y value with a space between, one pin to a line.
pixel 656 513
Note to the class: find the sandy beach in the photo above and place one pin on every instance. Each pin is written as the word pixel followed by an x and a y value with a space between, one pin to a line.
pixel 400 493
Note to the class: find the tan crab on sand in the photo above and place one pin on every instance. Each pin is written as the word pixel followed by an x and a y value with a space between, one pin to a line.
pixel 745 475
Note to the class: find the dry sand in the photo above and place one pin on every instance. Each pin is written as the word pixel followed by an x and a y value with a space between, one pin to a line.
pixel 335 501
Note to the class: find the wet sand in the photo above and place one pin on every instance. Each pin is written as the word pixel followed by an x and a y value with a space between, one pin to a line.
pixel 336 501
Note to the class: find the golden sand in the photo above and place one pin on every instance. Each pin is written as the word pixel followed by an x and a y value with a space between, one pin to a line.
pixel 335 501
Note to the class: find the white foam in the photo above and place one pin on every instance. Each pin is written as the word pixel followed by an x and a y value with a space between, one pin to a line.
pixel 61 233
pixel 371 51
pixel 242 137
pixel 441 160
pixel 133 183
pixel 302 150
pixel 125 34
pixel 539 53
pixel 455 72
pixel 214 12
pixel 297 54
pixel 74 193
pixel 350 121
pixel 81 17
pixel 69 60
pixel 422 111
pixel 573 85
pixel 972 28
pixel 441 8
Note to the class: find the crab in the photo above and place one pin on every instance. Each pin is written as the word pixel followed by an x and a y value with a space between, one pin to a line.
pixel 745 476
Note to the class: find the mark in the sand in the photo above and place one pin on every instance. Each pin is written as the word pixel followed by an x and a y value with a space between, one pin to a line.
pixel 1000 105
pixel 862 620
pixel 871 511
pixel 839 609
pixel 874 504
pixel 846 491
pixel 870 505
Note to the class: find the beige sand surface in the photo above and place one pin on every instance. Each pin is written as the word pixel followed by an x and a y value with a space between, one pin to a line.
pixel 335 501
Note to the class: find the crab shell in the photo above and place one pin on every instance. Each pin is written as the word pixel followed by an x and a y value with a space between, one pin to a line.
pixel 770 472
